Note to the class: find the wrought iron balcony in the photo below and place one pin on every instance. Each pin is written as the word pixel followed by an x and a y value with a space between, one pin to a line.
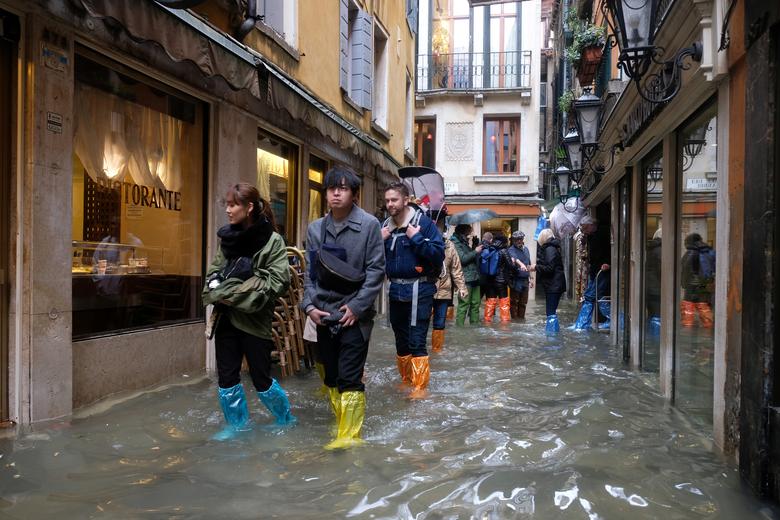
pixel 474 71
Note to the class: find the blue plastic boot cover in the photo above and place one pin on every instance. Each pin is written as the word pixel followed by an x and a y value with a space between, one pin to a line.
pixel 277 403
pixel 585 317
pixel 233 403
pixel 552 324
pixel 604 310
pixel 654 326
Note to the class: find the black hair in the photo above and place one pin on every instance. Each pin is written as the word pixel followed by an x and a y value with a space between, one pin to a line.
pixel 463 229
pixel 342 176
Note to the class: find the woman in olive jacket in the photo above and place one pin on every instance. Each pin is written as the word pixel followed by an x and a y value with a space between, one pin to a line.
pixel 550 275
pixel 249 272
pixel 469 261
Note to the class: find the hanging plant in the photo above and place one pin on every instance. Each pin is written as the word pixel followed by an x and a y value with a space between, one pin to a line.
pixel 586 36
pixel 565 101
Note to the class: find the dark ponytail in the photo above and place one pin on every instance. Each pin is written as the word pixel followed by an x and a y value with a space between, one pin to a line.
pixel 244 193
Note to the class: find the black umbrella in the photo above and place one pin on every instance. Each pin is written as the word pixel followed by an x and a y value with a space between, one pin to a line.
pixel 472 215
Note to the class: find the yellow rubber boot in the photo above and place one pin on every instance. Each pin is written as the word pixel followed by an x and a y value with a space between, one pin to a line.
pixel 404 368
pixel 421 374
pixel 353 411
pixel 437 340
pixel 320 368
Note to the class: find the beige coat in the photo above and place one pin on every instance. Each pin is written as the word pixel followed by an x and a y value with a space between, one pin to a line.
pixel 451 272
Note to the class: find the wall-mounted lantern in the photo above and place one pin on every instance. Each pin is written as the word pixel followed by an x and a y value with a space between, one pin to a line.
pixel 633 22
pixel 588 120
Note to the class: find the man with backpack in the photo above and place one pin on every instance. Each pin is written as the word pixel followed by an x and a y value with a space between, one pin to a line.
pixel 414 252
pixel 698 276
pixel 492 268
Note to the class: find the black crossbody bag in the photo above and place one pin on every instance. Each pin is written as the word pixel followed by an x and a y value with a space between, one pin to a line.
pixel 333 271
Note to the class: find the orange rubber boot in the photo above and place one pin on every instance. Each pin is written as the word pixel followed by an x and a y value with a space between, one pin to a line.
pixel 687 313
pixel 404 364
pixel 503 309
pixel 705 314
pixel 437 340
pixel 421 374
pixel 451 312
pixel 490 309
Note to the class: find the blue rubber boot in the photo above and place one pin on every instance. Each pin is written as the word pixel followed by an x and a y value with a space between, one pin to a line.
pixel 233 403
pixel 654 326
pixel 585 316
pixel 604 308
pixel 552 325
pixel 277 403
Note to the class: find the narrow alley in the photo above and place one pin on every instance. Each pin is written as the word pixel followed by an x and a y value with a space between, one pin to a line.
pixel 517 425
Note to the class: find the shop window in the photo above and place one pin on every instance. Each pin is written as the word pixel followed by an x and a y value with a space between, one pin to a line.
pixel 317 202
pixel 276 171
pixel 501 145
pixel 652 169
pixel 694 341
pixel 425 142
pixel 137 199
pixel 356 53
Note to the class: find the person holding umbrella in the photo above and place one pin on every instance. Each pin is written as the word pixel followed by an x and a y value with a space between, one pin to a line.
pixel 414 252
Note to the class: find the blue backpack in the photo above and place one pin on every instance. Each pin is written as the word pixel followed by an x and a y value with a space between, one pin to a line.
pixel 488 262
pixel 707 263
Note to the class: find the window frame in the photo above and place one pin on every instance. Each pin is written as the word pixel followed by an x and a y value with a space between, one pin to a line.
pixel 502 118
pixel 418 140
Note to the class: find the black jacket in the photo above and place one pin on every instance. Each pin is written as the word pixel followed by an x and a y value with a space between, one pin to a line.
pixel 549 267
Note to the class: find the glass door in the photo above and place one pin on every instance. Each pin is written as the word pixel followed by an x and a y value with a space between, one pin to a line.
pixel 696 248
pixel 653 173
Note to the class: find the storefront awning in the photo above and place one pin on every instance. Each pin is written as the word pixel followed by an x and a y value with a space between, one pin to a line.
pixel 185 37
pixel 211 51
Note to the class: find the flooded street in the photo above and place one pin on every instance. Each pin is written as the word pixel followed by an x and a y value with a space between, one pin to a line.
pixel 517 426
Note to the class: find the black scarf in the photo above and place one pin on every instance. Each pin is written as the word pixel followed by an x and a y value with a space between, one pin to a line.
pixel 235 241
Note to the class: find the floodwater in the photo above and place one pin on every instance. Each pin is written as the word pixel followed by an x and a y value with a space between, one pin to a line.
pixel 517 426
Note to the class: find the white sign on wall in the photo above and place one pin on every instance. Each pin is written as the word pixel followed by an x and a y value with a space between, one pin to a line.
pixel 450 188
pixel 701 185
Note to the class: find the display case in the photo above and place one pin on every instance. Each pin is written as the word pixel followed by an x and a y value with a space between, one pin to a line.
pixel 114 258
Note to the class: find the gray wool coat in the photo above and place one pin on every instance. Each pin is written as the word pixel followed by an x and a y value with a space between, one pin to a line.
pixel 362 239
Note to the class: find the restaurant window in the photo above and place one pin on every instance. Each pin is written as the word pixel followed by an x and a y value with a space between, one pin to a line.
pixel 425 142
pixel 276 167
pixel 317 202
pixel 501 145
pixel 695 341
pixel 137 226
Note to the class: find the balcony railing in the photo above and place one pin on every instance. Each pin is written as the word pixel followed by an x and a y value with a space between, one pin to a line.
pixel 474 71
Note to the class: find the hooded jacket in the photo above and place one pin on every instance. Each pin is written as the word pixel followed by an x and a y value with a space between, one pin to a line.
pixel 469 259
pixel 251 301
pixel 418 257
pixel 452 273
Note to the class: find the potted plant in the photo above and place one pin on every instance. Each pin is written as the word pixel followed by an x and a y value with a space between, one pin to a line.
pixel 586 49
pixel 565 101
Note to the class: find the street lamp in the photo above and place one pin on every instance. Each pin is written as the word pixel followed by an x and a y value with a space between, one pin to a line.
pixel 571 142
pixel 588 121
pixel 563 182
pixel 633 23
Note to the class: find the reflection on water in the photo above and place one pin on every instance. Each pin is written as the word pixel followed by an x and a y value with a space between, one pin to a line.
pixel 517 426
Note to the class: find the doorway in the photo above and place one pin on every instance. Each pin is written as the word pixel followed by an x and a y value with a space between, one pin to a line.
pixel 9 36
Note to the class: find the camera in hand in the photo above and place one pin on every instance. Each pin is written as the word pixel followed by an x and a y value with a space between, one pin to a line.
pixel 214 280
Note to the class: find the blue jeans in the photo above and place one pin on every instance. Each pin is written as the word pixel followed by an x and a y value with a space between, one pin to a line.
pixel 408 339
pixel 551 301
pixel 440 313
pixel 603 287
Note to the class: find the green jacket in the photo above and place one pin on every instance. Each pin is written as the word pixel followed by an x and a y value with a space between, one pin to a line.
pixel 469 259
pixel 251 303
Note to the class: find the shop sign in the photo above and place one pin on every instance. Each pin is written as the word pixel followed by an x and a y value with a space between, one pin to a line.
pixel 701 185
pixel 54 122
pixel 144 196
pixel 638 119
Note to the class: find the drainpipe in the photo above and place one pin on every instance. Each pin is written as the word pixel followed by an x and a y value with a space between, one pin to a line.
pixel 249 22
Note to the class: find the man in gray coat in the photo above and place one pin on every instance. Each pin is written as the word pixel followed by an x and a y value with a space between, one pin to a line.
pixel 344 312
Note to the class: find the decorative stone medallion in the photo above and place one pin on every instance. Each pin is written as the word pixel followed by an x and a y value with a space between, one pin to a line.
pixel 459 141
